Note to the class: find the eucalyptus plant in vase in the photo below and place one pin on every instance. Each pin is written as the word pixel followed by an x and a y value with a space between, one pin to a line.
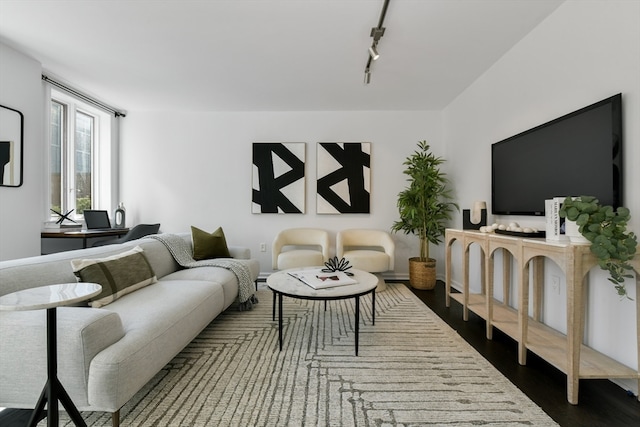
pixel 424 206
pixel 606 230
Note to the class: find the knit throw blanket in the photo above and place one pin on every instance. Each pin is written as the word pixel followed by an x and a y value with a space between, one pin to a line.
pixel 183 254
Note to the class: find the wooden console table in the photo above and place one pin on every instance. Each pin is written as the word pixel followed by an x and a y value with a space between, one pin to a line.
pixel 566 352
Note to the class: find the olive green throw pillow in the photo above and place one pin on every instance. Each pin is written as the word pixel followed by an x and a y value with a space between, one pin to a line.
pixel 209 245
pixel 118 274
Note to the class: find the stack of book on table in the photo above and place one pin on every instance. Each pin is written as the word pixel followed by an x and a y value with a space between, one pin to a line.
pixel 318 279
pixel 66 225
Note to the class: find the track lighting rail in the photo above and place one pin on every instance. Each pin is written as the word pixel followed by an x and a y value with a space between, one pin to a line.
pixel 376 34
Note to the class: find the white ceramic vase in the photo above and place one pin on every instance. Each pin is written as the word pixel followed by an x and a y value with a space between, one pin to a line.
pixel 571 230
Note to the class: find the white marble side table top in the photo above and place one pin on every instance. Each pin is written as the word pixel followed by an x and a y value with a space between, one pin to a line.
pixel 49 296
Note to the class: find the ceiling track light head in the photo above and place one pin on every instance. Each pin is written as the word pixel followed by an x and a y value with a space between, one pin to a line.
pixel 373 52
pixel 367 76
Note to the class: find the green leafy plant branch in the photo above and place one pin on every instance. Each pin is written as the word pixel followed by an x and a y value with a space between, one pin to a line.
pixel 606 229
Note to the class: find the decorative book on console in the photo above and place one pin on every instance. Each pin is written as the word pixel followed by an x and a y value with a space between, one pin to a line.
pixel 318 279
pixel 554 229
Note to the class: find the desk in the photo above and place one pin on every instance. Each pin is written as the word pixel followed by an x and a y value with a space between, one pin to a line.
pixel 82 235
pixel 566 352
pixel 50 297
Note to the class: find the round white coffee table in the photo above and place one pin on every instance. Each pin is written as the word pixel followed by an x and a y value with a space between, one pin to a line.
pixel 283 284
pixel 50 297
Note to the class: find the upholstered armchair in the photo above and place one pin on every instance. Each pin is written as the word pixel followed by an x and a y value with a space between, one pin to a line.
pixel 300 247
pixel 368 250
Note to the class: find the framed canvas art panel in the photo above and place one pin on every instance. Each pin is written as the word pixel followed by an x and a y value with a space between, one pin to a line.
pixel 343 177
pixel 11 135
pixel 278 178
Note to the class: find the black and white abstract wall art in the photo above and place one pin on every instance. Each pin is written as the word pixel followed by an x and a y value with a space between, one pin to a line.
pixel 344 177
pixel 278 177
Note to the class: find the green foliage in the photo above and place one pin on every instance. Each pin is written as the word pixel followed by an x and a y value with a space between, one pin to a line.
pixel 606 229
pixel 425 205
pixel 82 204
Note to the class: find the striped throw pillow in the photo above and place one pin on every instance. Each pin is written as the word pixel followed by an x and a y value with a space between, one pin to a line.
pixel 118 274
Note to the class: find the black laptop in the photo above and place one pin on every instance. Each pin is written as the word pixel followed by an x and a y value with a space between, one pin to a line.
pixel 97 220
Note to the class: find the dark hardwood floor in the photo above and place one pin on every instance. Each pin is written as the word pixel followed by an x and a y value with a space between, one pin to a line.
pixel 601 403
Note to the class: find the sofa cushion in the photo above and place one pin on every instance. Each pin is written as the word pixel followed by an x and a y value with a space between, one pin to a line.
pixel 209 245
pixel 160 320
pixel 118 274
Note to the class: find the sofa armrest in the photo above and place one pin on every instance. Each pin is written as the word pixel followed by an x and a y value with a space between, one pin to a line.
pixel 82 333
pixel 240 252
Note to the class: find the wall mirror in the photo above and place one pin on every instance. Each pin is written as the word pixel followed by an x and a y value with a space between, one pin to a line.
pixel 11 135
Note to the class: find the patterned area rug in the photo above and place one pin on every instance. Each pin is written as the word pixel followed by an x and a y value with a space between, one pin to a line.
pixel 412 370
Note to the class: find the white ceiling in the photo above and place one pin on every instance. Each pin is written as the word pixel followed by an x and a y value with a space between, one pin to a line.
pixel 287 55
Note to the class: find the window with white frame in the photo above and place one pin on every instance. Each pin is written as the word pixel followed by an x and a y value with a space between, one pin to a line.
pixel 79 156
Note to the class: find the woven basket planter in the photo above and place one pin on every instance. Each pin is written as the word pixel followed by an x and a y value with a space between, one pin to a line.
pixel 422 274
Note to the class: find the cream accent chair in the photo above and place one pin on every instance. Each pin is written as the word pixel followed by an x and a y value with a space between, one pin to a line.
pixel 368 250
pixel 300 247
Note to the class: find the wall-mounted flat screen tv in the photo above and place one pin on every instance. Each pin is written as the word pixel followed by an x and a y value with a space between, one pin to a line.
pixel 577 154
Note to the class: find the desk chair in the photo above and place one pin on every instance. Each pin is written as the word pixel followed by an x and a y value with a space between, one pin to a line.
pixel 136 232
pixel 369 250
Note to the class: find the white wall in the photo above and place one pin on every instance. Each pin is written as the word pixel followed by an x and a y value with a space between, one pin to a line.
pixel 582 53
pixel 183 169
pixel 21 207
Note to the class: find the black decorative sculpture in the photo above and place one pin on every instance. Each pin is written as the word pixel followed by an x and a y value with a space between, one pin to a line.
pixel 337 265
pixel 63 216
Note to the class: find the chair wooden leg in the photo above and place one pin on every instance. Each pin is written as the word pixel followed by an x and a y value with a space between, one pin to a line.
pixel 115 419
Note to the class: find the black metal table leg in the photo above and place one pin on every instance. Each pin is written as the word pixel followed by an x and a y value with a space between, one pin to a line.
pixel 280 320
pixel 373 307
pixel 53 390
pixel 42 400
pixel 357 321
pixel 273 308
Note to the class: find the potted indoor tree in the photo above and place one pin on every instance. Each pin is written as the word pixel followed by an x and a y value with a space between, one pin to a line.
pixel 424 207
pixel 606 230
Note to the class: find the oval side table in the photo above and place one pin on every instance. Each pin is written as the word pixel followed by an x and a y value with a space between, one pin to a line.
pixel 50 297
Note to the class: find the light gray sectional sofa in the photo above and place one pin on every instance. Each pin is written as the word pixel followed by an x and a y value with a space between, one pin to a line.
pixel 107 354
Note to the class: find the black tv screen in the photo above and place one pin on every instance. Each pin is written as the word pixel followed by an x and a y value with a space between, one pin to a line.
pixel 576 154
